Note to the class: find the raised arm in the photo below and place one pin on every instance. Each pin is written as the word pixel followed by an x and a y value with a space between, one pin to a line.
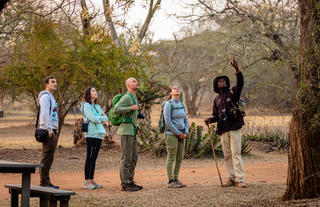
pixel 240 81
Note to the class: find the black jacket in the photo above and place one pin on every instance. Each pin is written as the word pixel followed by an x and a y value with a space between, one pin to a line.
pixel 225 109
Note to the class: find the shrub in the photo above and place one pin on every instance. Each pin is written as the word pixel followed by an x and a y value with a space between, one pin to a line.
pixel 277 139
pixel 197 144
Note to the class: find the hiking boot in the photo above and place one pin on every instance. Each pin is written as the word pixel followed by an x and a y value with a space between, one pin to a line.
pixel 180 183
pixel 88 185
pixel 96 184
pixel 229 183
pixel 129 187
pixel 174 184
pixel 140 187
pixel 240 185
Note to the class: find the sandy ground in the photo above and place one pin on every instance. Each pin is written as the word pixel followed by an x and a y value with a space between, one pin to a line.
pixel 265 173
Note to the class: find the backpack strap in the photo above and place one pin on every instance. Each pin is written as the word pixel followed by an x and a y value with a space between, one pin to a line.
pixel 82 110
pixel 49 100
pixel 38 114
pixel 128 119
pixel 134 100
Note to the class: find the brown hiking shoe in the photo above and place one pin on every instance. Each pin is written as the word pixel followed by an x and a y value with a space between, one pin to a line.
pixel 230 183
pixel 129 187
pixel 240 185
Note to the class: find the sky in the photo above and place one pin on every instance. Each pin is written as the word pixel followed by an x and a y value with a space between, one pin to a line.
pixel 162 25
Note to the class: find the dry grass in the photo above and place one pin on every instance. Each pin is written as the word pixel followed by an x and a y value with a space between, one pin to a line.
pixel 16 129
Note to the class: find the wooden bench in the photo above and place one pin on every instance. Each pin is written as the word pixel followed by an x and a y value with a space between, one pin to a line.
pixel 48 196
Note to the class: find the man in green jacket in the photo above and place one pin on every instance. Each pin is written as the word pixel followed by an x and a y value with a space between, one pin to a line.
pixel 128 107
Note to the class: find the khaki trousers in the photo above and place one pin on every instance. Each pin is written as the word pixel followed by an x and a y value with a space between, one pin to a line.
pixel 231 145
pixel 129 157
pixel 47 155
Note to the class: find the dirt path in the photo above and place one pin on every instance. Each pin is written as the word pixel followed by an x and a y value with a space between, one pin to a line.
pixel 269 173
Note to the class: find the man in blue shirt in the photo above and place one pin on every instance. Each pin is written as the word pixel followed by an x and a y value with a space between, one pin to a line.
pixel 48 120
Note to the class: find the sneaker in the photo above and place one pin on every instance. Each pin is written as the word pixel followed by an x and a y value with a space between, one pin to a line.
pixel 173 184
pixel 96 184
pixel 240 185
pixel 129 187
pixel 140 187
pixel 180 183
pixel 88 185
pixel 229 183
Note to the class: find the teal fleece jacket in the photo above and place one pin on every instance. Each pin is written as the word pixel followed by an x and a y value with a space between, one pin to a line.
pixel 92 113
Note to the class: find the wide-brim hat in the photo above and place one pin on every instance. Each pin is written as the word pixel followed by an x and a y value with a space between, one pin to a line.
pixel 215 82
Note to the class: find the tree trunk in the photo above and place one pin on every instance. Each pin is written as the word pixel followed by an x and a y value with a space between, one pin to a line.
pixel 303 179
pixel 85 18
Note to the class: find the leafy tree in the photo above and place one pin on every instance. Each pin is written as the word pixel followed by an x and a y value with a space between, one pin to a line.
pixel 76 62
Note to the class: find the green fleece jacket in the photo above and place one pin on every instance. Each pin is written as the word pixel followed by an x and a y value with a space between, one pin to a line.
pixel 123 107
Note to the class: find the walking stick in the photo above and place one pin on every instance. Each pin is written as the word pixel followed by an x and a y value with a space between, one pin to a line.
pixel 214 155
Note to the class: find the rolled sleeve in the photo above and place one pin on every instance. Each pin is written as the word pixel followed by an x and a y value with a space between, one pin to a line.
pixel 123 106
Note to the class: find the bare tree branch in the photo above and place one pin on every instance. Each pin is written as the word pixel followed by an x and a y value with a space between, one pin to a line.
pixel 108 17
pixel 151 12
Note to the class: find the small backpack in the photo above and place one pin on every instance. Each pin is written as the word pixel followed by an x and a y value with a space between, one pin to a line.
pixel 116 119
pixel 162 124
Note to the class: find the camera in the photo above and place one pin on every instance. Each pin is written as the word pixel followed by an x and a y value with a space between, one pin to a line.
pixel 140 116
pixel 85 126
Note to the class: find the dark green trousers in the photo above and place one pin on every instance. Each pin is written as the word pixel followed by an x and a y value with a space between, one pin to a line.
pixel 129 157
pixel 47 155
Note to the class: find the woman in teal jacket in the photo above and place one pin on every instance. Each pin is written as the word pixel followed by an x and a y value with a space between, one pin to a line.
pixel 94 116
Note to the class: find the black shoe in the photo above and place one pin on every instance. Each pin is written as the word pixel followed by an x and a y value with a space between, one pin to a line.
pixel 129 187
pixel 50 185
pixel 54 186
pixel 138 186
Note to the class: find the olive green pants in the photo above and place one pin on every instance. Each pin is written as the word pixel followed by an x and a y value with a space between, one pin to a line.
pixel 129 158
pixel 47 155
pixel 175 152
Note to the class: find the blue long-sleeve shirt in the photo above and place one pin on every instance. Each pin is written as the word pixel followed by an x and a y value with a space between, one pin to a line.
pixel 175 117
pixel 93 114
pixel 48 117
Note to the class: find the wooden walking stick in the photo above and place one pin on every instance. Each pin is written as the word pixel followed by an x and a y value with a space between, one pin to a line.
pixel 214 155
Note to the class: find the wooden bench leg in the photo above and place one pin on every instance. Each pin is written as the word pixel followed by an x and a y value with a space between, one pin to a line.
pixel 14 198
pixel 64 202
pixel 44 201
pixel 53 202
